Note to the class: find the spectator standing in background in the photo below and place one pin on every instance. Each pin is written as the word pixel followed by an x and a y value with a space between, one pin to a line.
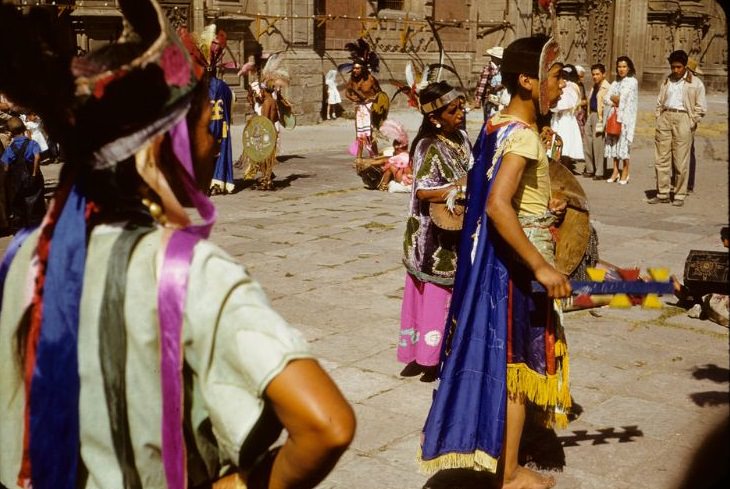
pixel 693 67
pixel 622 97
pixel 24 181
pixel 593 133
pixel 489 91
pixel 680 106
pixel 581 113
pixel 565 124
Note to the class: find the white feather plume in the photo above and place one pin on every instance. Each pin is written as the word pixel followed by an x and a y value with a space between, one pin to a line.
pixel 395 131
pixel 410 74
pixel 424 79
pixel 273 70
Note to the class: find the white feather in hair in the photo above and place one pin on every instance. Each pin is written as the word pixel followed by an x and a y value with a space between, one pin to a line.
pixel 423 83
pixel 410 75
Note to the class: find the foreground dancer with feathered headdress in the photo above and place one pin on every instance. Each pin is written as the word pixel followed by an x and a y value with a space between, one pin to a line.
pixel 505 347
pixel 135 352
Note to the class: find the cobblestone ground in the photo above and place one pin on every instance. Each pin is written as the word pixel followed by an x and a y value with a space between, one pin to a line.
pixel 650 383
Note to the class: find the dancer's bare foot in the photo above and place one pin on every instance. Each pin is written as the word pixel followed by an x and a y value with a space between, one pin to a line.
pixel 524 478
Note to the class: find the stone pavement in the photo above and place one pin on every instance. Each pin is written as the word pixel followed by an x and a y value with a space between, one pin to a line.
pixel 650 383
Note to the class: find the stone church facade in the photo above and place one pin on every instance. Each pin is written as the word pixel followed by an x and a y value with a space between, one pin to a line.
pixel 313 33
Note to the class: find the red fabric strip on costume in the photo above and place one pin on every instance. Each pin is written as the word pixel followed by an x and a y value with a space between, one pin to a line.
pixel 550 361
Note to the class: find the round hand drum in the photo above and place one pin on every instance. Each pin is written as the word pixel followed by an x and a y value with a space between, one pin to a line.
pixel 259 139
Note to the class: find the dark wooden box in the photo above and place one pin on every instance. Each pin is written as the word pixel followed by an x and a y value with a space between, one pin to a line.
pixel 706 272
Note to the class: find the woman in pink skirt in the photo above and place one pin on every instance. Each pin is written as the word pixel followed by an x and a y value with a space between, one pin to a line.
pixel 441 155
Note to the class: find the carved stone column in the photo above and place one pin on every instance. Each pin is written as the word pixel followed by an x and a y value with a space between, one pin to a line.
pixel 629 32
pixel 198 18
pixel 600 33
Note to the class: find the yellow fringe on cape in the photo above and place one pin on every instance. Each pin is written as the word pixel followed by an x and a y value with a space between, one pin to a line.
pixel 551 392
pixel 478 460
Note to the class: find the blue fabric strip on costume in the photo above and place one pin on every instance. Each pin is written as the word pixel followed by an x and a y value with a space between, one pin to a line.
pixel 220 125
pixel 10 253
pixel 468 411
pixel 54 396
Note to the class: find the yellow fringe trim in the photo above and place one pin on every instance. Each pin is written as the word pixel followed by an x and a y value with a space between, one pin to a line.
pixel 551 392
pixel 478 460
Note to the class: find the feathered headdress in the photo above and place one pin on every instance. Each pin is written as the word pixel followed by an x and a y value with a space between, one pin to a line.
pixel 395 131
pixel 210 46
pixel 362 55
pixel 273 73
pixel 417 80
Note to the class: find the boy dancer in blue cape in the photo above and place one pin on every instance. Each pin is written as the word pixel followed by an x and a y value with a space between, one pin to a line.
pixel 505 347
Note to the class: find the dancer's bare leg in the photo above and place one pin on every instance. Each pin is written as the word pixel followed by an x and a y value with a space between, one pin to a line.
pixel 360 147
pixel 514 475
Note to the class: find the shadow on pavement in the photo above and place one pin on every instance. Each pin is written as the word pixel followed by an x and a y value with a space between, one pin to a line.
pixel 719 375
pixel 601 436
pixel 712 372
pixel 710 398
pixel 461 479
pixel 284 158
pixel 286 182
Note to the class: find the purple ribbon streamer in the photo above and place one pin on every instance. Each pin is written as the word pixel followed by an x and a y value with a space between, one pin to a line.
pixel 171 304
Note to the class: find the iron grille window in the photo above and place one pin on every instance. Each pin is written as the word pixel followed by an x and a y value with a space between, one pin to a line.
pixel 390 4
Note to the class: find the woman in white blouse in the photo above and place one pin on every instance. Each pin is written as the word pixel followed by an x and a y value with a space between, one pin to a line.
pixel 623 97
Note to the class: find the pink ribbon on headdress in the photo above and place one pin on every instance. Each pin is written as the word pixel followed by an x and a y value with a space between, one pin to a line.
pixel 171 299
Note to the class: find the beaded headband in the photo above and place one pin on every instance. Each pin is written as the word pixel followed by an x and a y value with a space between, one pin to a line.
pixel 442 101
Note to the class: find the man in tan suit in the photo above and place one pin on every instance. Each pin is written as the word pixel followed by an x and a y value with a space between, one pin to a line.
pixel 680 106
pixel 593 131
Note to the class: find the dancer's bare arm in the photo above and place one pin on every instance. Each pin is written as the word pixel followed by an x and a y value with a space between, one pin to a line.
pixel 504 218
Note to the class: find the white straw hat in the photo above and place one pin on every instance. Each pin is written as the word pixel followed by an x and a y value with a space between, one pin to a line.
pixel 496 51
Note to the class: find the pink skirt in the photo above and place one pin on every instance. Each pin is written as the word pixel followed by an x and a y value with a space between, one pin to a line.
pixel 422 320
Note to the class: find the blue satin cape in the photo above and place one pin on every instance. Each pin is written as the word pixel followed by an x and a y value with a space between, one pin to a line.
pixel 465 426
pixel 221 98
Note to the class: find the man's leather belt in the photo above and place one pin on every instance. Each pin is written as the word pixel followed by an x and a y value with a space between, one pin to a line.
pixel 675 110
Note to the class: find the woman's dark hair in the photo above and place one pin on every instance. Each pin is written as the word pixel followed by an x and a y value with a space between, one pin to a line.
pixel 432 92
pixel 632 70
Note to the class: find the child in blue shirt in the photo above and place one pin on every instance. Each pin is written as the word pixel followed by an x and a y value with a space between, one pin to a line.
pixel 22 186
